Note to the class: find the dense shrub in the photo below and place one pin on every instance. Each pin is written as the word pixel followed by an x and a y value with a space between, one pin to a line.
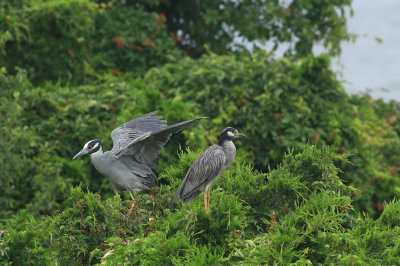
pixel 317 225
pixel 89 228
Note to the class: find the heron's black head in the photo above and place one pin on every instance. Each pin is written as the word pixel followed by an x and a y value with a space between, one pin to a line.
pixel 90 147
pixel 229 134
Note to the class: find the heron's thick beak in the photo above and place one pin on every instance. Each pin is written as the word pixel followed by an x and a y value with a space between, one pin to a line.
pixel 79 154
pixel 240 135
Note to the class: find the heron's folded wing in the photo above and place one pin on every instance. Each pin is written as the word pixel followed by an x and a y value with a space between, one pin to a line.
pixel 147 147
pixel 140 170
pixel 204 169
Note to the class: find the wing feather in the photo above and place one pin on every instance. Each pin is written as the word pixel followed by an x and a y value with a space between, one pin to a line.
pixel 147 147
pixel 135 129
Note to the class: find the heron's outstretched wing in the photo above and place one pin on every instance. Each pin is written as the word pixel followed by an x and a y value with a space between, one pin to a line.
pixel 204 170
pixel 146 146
pixel 135 128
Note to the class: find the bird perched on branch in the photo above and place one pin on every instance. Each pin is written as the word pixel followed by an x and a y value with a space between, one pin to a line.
pixel 208 166
pixel 136 147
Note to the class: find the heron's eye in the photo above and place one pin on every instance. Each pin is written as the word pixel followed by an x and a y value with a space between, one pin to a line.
pixel 89 147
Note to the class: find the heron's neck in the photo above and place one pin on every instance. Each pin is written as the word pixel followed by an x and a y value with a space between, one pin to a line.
pixel 228 145
pixel 230 152
pixel 101 161
pixel 98 154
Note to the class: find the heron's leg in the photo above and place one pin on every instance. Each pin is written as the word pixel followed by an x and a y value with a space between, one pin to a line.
pixel 207 201
pixel 130 193
pixel 133 204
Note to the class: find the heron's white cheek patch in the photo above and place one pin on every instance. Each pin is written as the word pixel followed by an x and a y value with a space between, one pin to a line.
pixel 230 134
pixel 95 145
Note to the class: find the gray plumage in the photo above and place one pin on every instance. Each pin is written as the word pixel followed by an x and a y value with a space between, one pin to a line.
pixel 208 166
pixel 136 146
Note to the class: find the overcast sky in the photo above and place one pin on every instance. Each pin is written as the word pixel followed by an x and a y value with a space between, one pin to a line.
pixel 367 64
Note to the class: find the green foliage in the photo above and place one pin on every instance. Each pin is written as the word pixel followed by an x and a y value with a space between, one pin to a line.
pixel 26 240
pixel 316 226
pixel 83 225
pixel 77 40
pixel 157 249
pixel 315 159
pixel 304 235
pixel 15 166
pixel 44 30
pixel 130 39
pixel 218 24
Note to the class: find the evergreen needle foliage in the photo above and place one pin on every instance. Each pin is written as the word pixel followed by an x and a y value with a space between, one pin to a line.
pixel 300 212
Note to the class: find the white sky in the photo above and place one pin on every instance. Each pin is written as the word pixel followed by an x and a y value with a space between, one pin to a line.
pixel 367 64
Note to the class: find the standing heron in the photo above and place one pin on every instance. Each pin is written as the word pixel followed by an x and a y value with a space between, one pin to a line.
pixel 208 166
pixel 136 147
